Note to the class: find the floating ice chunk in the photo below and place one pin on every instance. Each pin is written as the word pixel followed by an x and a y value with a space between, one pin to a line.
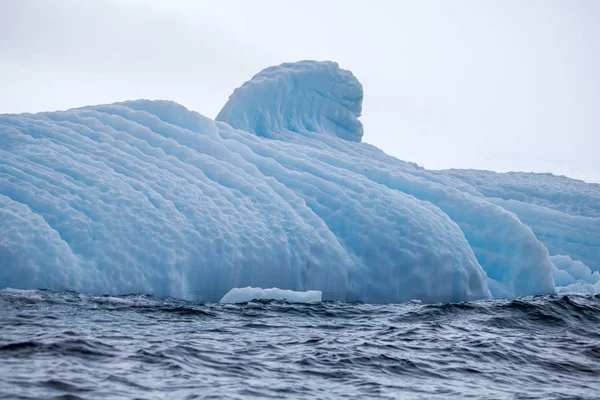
pixel 243 295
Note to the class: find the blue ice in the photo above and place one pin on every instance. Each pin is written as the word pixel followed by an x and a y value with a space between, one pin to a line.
pixel 277 192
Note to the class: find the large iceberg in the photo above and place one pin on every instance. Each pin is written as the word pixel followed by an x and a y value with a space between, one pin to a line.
pixel 277 191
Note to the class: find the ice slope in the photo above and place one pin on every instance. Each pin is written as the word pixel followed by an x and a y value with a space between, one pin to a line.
pixel 278 191
pixel 569 196
pixel 563 213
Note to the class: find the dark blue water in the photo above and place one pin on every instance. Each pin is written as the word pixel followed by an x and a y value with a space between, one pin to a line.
pixel 69 345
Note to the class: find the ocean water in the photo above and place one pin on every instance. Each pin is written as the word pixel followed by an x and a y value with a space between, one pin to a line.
pixel 69 345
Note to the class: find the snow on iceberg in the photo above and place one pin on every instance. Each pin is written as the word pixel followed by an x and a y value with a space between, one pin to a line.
pixel 244 295
pixel 278 191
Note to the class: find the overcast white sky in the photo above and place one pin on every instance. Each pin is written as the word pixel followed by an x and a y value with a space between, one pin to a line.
pixel 500 85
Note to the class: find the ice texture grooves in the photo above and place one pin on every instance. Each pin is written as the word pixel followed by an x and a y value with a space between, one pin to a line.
pixel 149 197
pixel 305 98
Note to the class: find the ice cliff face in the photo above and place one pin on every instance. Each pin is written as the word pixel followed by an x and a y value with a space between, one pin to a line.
pixel 147 196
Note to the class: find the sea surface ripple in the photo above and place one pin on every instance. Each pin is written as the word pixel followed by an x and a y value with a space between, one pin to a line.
pixel 69 345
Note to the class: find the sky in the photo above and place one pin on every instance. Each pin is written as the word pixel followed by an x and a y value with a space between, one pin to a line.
pixel 505 85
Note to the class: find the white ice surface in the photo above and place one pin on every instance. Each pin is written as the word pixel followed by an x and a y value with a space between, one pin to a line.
pixel 243 295
pixel 147 196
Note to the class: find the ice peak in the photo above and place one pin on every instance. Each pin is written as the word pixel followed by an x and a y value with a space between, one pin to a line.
pixel 303 97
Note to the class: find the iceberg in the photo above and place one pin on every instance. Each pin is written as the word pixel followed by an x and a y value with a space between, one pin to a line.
pixel 278 191
pixel 244 295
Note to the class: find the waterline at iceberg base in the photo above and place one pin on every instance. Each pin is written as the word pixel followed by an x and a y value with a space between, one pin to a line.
pixel 277 192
